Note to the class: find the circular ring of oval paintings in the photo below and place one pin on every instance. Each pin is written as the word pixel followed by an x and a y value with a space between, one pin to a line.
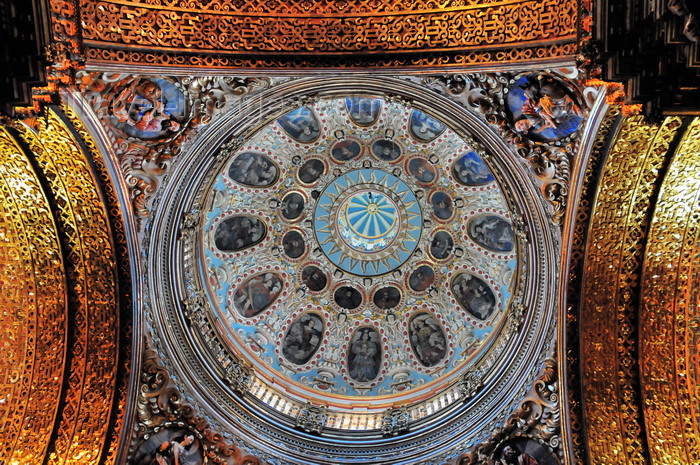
pixel 355 247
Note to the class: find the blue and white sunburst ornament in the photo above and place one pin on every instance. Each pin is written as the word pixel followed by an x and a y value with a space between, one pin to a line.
pixel 368 222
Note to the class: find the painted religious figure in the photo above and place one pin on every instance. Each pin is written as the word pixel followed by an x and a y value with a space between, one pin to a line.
pixel 363 110
pixel 427 339
pixel 253 170
pixel 441 245
pixel 303 338
pixel 149 109
pixel 387 297
pixel 238 232
pixel 347 297
pixel 292 205
pixel 425 128
pixel 493 232
pixel 543 108
pixel 314 278
pixel 293 244
pixel 301 124
pixel 474 295
pixel 345 150
pixel 311 170
pixel 257 293
pixel 169 446
pixel 523 451
pixel 365 355
pixel 471 170
pixel 421 278
pixel 442 205
pixel 386 150
pixel 422 170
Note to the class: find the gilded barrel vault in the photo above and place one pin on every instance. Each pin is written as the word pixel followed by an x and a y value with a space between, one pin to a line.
pixel 34 309
pixel 614 252
pixel 668 310
pixel 82 366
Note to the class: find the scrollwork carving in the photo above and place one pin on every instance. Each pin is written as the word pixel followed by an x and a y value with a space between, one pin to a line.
pixel 149 118
pixel 537 418
pixel 312 418
pixel 160 405
pixel 395 421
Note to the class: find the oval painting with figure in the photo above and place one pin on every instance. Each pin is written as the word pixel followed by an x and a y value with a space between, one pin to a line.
pixel 253 170
pixel 493 232
pixel 427 339
pixel 365 355
pixel 257 293
pixel 238 232
pixel 301 124
pixel 474 295
pixel 303 338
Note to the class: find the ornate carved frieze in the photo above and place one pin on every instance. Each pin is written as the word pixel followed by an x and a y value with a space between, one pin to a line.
pixel 228 33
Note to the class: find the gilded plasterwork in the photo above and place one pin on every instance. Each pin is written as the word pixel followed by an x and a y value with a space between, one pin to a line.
pixel 668 311
pixel 123 274
pixel 608 317
pixel 94 306
pixel 586 203
pixel 34 313
pixel 482 32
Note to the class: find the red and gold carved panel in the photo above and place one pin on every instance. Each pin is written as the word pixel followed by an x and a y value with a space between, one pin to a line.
pixel 368 33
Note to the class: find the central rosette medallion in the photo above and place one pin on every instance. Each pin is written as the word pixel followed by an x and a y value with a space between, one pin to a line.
pixel 367 222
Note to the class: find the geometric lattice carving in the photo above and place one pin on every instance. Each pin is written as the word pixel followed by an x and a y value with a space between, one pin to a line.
pixel 228 33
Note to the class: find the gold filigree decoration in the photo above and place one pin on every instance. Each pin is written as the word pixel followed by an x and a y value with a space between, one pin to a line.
pixel 34 310
pixel 537 418
pixel 146 148
pixel 123 276
pixel 577 246
pixel 89 391
pixel 668 315
pixel 160 404
pixel 608 320
pixel 480 56
pixel 276 27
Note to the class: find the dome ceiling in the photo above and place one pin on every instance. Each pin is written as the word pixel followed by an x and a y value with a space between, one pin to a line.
pixel 372 256
pixel 356 266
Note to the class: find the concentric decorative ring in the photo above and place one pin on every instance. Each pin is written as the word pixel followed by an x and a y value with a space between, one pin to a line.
pixel 367 222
